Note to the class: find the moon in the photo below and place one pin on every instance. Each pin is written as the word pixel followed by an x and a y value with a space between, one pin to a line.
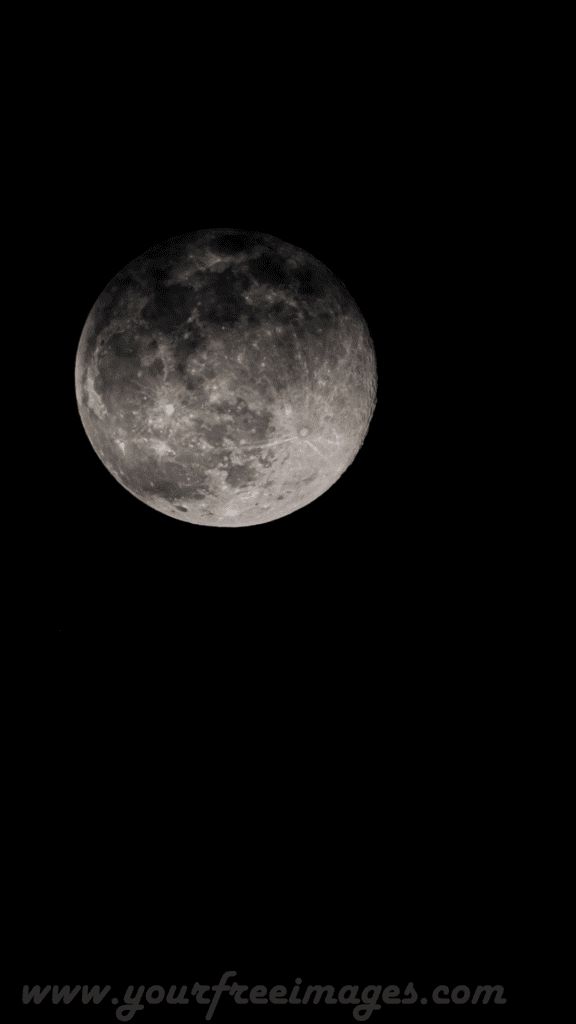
pixel 226 378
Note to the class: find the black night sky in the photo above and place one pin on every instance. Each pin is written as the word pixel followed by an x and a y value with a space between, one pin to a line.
pixel 348 660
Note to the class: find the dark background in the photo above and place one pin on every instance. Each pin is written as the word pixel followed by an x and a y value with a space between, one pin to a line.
pixel 291 743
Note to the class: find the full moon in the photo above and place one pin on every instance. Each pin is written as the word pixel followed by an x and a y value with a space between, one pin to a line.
pixel 226 378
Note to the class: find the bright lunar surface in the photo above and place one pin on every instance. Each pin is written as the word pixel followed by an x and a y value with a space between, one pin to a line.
pixel 226 378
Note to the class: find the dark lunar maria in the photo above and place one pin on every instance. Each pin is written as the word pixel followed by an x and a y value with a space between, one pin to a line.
pixel 226 378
